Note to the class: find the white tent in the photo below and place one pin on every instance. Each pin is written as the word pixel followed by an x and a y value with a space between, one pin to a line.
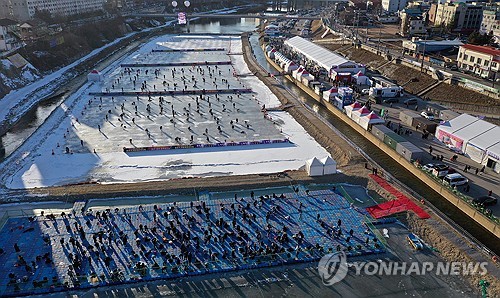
pixel 492 159
pixel 361 79
pixel 446 130
pixel 331 93
pixel 314 167
pixel 94 76
pixel 351 108
pixel 476 147
pixel 463 135
pixel 290 66
pixel 329 166
pixel 318 54
pixel 371 119
pixel 356 115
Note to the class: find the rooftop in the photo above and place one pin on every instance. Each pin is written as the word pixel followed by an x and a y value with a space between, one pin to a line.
pixel 482 49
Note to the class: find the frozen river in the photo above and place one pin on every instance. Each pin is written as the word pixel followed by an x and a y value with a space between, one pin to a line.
pixel 190 91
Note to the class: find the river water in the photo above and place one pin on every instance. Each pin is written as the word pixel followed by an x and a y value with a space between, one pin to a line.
pixel 28 124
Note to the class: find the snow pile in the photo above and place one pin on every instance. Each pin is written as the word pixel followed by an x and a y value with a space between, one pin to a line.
pixel 14 78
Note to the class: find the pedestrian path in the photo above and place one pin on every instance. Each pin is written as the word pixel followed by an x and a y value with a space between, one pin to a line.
pixel 402 202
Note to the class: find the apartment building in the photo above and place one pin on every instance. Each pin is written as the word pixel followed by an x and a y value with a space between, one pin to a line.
pixel 8 39
pixel 482 60
pixel 491 22
pixel 393 5
pixel 23 10
pixel 459 17
pixel 412 22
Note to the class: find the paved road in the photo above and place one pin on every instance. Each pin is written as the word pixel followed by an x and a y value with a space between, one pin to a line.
pixel 480 184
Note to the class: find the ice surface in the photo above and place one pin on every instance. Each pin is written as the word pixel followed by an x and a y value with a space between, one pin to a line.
pixel 81 124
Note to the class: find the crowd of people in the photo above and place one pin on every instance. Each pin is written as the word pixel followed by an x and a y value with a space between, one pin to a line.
pixel 166 240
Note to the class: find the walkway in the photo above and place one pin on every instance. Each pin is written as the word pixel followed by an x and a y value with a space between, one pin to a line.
pixel 402 203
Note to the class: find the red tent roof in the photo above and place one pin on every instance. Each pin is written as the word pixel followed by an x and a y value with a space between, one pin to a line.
pixel 356 105
pixel 360 74
pixel 363 110
pixel 95 71
pixel 372 116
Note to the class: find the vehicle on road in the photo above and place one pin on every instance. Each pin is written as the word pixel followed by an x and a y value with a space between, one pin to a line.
pixel 486 200
pixel 391 100
pixel 410 101
pixel 427 115
pixel 365 91
pixel 455 179
pixel 440 170
pixel 415 242
pixel 453 148
pixel 428 167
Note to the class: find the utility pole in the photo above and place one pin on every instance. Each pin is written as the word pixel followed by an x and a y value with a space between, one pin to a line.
pixel 423 54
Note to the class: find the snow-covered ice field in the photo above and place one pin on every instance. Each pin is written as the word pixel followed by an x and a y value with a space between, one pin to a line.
pixel 95 128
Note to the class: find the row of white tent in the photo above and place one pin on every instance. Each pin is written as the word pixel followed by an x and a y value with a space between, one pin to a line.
pixel 361 115
pixel 283 61
pixel 320 167
pixel 476 138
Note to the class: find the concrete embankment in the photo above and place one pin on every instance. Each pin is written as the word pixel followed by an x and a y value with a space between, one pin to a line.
pixel 477 216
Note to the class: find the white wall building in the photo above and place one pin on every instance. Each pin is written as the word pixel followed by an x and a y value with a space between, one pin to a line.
pixel 482 60
pixel 25 9
pixel 393 5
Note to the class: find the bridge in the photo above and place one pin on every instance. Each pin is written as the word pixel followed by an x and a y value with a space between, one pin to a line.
pixel 225 16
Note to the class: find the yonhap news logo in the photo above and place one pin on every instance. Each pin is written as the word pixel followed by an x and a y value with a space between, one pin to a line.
pixel 333 268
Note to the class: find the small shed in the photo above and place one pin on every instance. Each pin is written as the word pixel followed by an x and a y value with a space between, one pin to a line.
pixel 329 166
pixel 379 131
pixel 407 117
pixel 392 139
pixel 409 151
pixel 447 115
pixel 420 123
pixel 314 167
pixel 94 76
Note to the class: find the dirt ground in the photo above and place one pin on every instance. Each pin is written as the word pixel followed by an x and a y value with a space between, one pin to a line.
pixel 384 31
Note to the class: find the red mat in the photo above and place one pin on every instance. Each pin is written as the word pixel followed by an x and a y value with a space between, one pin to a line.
pixel 400 204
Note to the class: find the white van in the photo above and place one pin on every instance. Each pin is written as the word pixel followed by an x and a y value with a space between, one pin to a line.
pixel 455 179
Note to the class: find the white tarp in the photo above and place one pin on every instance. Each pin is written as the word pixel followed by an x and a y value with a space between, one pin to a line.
pixel 314 167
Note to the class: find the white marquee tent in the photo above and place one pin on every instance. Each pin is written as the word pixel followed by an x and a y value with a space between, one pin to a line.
pixel 477 147
pixel 371 119
pixel 329 166
pixel 314 167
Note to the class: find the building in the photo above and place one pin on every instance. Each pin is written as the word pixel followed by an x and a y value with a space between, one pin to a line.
pixel 491 22
pixel 459 17
pixel 23 10
pixel 8 36
pixel 301 4
pixel 482 60
pixel 393 5
pixel 412 22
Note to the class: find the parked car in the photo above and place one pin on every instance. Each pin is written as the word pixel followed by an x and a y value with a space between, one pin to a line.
pixel 427 115
pixel 455 179
pixel 453 148
pixel 440 170
pixel 415 242
pixel 410 101
pixel 486 200
pixel 365 91
pixel 428 167
pixel 391 99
